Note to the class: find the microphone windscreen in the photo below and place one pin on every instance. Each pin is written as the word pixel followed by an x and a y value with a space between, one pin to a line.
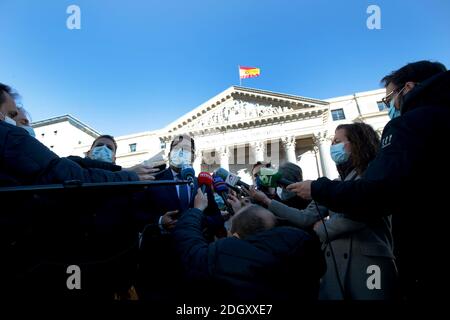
pixel 222 173
pixel 270 181
pixel 284 182
pixel 187 173
pixel 204 178
pixel 220 185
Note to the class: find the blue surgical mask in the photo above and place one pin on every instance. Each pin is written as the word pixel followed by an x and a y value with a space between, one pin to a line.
pixel 338 153
pixel 102 153
pixel 30 130
pixel 10 121
pixel 393 112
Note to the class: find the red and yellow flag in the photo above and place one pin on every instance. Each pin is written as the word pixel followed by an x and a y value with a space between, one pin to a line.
pixel 248 72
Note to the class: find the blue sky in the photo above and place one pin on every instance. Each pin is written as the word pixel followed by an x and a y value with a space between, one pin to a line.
pixel 138 65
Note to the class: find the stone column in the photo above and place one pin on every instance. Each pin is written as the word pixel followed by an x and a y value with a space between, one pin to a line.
pixel 289 147
pixel 323 142
pixel 197 165
pixel 224 156
pixel 309 165
pixel 257 153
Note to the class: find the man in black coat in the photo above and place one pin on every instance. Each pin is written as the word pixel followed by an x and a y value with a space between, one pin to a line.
pixel 27 161
pixel 257 263
pixel 159 268
pixel 407 179
pixel 89 225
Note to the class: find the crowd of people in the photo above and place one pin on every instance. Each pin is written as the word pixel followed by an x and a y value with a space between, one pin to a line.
pixel 375 233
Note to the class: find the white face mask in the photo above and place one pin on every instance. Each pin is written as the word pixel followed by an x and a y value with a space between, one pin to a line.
pixel 30 130
pixel 179 158
pixel 102 153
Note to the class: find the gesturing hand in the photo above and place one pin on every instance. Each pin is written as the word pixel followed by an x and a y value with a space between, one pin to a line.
pixel 302 189
pixel 169 220
pixel 201 200
pixel 144 172
pixel 258 195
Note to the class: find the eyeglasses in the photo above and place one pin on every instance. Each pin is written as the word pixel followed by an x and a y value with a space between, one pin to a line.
pixel 386 100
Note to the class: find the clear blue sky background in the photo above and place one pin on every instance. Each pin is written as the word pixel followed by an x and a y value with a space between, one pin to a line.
pixel 139 65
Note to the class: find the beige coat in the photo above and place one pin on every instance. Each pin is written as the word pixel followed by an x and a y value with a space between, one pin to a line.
pixel 356 246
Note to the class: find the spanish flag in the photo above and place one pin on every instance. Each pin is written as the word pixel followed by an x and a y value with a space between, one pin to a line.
pixel 248 72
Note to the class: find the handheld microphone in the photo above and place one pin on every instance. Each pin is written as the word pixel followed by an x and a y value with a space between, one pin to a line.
pixel 221 188
pixel 205 179
pixel 272 178
pixel 230 178
pixel 188 174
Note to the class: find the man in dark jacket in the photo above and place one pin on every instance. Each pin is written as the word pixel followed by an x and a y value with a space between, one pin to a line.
pixel 159 269
pixel 406 177
pixel 26 161
pixel 35 225
pixel 258 263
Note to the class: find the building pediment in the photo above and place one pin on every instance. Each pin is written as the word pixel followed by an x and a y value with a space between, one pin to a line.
pixel 239 107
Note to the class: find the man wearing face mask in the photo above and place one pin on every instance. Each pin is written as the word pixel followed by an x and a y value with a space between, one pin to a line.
pixel 23 121
pixel 26 161
pixel 401 180
pixel 161 210
pixel 104 149
pixel 102 155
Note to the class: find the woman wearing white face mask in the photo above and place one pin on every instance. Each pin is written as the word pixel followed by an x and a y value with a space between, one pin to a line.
pixel 357 245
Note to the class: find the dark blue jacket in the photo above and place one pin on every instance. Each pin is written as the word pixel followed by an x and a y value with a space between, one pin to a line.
pixel 26 161
pixel 157 201
pixel 159 276
pixel 283 263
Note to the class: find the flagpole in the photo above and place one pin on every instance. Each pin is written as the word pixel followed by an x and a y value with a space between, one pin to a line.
pixel 240 79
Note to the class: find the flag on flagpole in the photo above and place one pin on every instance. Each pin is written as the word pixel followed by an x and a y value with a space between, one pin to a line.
pixel 248 72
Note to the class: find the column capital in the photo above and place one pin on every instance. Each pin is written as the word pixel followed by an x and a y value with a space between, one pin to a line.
pixel 288 142
pixel 321 137
pixel 258 146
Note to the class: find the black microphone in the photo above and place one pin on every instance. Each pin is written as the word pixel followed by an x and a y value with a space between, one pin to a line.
pixel 222 189
pixel 230 178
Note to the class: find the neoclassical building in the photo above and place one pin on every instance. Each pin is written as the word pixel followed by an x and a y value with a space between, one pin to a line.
pixel 238 127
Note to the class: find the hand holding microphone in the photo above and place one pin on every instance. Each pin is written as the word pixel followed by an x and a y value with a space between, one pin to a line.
pixel 222 189
pixel 201 200
pixel 302 189
pixel 258 196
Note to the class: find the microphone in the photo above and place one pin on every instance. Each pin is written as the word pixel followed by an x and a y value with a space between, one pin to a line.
pixel 271 178
pixel 188 174
pixel 205 179
pixel 222 189
pixel 231 179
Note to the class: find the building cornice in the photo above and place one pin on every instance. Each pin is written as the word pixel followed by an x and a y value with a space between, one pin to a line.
pixel 72 120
